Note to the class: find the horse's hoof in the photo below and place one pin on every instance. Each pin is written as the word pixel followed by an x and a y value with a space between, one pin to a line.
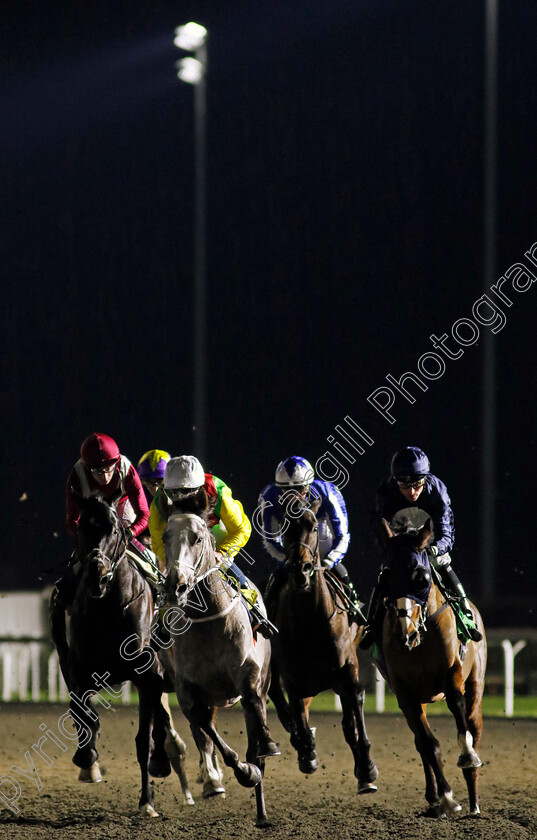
pixel 211 789
pixel 476 812
pixel 369 787
pixel 159 768
pixel 434 810
pixel 307 765
pixel 189 799
pixel 270 749
pixel 263 823
pixel 449 805
pixel 90 774
pixel 147 810
pixel 469 760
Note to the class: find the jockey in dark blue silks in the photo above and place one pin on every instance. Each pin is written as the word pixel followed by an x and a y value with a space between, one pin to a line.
pixel 407 499
pixel 295 475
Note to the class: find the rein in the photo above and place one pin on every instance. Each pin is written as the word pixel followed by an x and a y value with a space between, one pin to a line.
pixel 114 561
pixel 313 551
pixel 198 580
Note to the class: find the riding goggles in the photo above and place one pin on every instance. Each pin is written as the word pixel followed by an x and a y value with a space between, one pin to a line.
pixel 103 470
pixel 411 482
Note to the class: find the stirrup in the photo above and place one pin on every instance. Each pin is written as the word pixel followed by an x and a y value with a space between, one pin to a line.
pixel 262 625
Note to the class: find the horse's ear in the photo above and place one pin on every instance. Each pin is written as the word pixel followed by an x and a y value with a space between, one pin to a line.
pixel 315 505
pixel 386 532
pixel 166 504
pixel 424 535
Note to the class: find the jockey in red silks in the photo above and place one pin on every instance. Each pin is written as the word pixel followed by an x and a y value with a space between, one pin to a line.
pixel 103 472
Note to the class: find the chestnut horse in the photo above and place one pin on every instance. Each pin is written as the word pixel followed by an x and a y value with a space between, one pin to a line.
pixel 215 660
pixel 315 650
pixel 109 642
pixel 425 662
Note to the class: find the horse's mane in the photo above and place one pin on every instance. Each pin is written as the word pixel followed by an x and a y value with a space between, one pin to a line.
pixel 198 504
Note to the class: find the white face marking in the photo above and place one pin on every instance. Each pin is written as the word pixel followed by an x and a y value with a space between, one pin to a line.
pixel 183 538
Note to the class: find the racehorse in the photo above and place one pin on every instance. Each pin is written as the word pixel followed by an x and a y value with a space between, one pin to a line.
pixel 214 657
pixel 315 649
pixel 109 643
pixel 424 662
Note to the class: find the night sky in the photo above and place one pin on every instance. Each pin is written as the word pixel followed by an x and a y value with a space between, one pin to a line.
pixel 345 226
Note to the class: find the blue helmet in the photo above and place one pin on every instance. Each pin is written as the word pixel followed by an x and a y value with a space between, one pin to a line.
pixel 410 462
pixel 294 472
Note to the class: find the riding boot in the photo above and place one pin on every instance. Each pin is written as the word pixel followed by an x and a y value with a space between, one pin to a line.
pixel 272 589
pixel 455 588
pixel 260 622
pixel 375 614
pixel 67 585
pixel 355 605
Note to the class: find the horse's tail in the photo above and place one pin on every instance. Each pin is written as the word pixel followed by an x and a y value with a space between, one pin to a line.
pixel 58 628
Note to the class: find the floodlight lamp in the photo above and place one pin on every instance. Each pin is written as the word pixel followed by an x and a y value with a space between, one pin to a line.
pixel 190 70
pixel 190 37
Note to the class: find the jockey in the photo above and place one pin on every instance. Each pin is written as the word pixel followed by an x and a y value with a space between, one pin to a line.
pixel 296 474
pixel 103 472
pixel 151 468
pixel 184 478
pixel 409 497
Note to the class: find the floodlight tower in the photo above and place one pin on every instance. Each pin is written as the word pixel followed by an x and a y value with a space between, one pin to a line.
pixel 193 69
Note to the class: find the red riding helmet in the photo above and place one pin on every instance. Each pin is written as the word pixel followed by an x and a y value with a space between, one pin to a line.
pixel 99 450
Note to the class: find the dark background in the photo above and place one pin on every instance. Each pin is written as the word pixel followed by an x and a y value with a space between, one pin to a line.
pixel 345 225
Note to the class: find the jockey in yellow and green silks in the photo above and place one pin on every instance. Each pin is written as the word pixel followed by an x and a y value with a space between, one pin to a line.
pixel 231 528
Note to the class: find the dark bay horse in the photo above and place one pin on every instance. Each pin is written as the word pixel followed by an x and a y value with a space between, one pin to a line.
pixel 107 642
pixel 424 662
pixel 214 657
pixel 315 650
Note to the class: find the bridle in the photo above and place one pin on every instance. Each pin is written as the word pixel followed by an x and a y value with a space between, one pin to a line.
pixel 316 557
pixel 110 558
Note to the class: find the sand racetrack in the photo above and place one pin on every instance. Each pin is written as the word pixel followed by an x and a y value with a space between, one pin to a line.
pixel 324 805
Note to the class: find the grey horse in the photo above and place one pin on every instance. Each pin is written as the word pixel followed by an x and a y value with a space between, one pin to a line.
pixel 214 657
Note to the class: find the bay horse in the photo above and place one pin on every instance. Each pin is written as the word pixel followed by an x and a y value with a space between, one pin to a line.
pixel 108 641
pixel 423 660
pixel 315 649
pixel 215 659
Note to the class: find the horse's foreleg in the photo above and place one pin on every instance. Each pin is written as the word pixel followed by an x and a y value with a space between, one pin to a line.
pixel 353 725
pixel 59 632
pixel 302 736
pixel 429 749
pixel 148 697
pixel 175 748
pixel 210 773
pixel 247 775
pixel 159 763
pixel 280 703
pixel 473 698
pixel 456 703
pixel 87 725
pixel 261 817
pixel 260 743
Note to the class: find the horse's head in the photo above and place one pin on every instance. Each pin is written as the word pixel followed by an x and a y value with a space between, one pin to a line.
pixel 101 541
pixel 189 553
pixel 300 538
pixel 406 580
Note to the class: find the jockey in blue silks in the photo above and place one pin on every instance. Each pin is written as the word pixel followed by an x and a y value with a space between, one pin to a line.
pixel 295 474
pixel 407 499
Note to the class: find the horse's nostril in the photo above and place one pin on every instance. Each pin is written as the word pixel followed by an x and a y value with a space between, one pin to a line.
pixel 181 588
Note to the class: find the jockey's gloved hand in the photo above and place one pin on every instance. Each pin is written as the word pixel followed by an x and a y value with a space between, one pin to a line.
pixel 327 562
pixel 432 550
